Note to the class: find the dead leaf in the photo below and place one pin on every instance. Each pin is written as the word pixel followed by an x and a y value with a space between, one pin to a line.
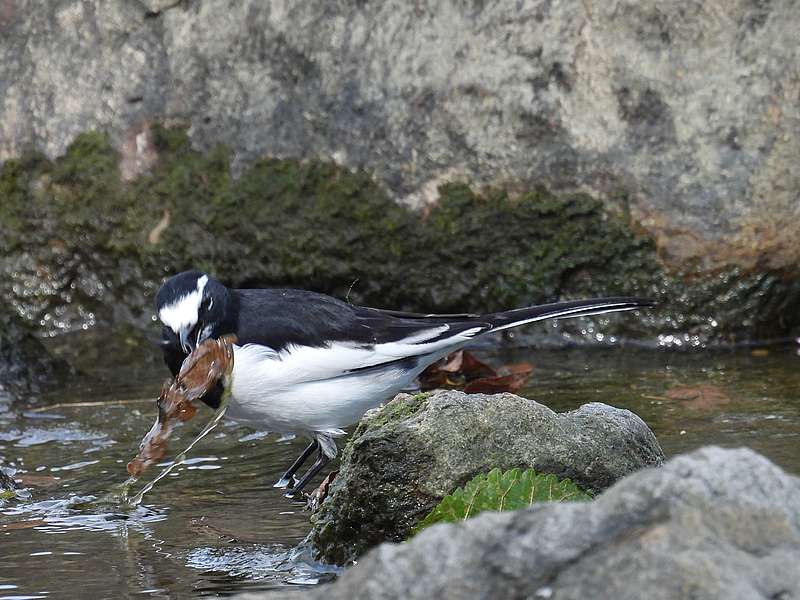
pixel 461 370
pixel 494 385
pixel 472 368
pixel 317 497
pixel 704 396
pixel 21 525
pixel 200 371
pixel 38 481
pixel 450 363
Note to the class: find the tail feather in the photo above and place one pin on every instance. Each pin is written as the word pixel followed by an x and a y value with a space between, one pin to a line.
pixel 569 309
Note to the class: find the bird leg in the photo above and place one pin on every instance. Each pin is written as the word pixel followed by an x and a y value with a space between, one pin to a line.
pixel 322 460
pixel 288 480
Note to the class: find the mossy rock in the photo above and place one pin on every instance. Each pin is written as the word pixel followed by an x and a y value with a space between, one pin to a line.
pixel 81 246
pixel 406 456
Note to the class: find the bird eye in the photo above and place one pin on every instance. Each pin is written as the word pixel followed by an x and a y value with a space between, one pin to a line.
pixel 205 304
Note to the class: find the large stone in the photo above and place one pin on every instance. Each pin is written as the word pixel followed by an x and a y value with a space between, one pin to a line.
pixel 711 524
pixel 681 120
pixel 689 111
pixel 407 455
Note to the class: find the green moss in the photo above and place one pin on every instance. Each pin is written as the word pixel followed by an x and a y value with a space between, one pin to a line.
pixel 398 409
pixel 315 225
pixel 501 491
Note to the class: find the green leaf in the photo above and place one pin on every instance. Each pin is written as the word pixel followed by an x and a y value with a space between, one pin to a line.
pixel 499 491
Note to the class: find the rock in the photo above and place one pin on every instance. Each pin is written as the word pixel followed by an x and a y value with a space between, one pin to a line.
pixel 101 246
pixel 407 455
pixel 7 484
pixel 529 95
pixel 25 364
pixel 711 524
pixel 614 99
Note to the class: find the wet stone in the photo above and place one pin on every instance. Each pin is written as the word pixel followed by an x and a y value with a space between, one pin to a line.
pixel 25 364
pixel 715 523
pixel 407 455
pixel 6 482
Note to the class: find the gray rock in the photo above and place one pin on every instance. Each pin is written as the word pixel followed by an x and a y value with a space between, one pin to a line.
pixel 25 364
pixel 7 484
pixel 407 455
pixel 688 112
pixel 711 524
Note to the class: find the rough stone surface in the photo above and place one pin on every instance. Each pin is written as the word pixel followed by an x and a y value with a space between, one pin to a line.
pixel 407 455
pixel 690 111
pixel 681 122
pixel 711 524
pixel 80 247
pixel 25 364
pixel 6 482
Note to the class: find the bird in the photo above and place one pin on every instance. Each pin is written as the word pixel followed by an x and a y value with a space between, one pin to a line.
pixel 309 364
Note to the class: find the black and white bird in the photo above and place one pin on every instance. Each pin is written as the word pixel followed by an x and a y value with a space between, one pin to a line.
pixel 309 364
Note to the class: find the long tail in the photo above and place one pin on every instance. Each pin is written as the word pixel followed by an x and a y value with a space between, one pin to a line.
pixel 561 310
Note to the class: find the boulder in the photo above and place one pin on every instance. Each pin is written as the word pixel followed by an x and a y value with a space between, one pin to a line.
pixel 407 455
pixel 714 523
pixel 616 99
pixel 681 121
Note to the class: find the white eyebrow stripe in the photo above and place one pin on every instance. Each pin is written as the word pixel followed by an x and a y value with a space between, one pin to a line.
pixel 184 311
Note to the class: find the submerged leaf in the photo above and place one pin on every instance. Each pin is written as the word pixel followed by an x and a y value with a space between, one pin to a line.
pixel 499 491
pixel 461 370
pixel 704 396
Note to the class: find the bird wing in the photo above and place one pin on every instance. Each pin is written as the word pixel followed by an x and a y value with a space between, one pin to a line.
pixel 311 337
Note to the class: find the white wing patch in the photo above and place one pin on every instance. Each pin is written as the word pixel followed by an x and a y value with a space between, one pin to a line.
pixel 300 364
pixel 184 311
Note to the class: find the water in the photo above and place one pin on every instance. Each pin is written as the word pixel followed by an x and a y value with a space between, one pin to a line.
pixel 215 525
pixel 753 396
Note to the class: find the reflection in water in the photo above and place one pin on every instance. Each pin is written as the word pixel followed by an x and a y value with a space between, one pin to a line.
pixel 215 525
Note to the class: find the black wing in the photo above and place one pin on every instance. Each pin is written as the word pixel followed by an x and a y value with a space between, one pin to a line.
pixel 281 317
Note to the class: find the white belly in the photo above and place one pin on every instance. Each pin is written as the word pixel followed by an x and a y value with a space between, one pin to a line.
pixel 268 391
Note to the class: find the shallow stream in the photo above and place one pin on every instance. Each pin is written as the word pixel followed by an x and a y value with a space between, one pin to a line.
pixel 216 526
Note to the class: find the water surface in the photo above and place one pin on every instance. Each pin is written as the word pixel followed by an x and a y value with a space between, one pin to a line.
pixel 217 526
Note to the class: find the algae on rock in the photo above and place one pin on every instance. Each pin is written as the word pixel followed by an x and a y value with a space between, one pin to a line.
pixel 499 491
pixel 81 246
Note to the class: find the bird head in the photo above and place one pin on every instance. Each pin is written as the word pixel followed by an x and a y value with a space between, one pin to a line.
pixel 193 307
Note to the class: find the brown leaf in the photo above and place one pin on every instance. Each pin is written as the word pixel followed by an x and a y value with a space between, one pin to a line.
pixel 318 496
pixel 199 526
pixel 704 396
pixel 450 363
pixel 472 368
pixel 42 481
pixel 199 373
pixel 454 371
pixel 516 368
pixel 21 525
pixel 462 370
pixel 494 385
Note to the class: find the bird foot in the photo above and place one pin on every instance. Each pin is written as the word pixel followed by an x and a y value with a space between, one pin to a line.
pixel 285 482
pixel 296 496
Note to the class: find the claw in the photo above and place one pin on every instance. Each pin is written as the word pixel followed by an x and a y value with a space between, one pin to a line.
pixel 285 482
pixel 296 496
